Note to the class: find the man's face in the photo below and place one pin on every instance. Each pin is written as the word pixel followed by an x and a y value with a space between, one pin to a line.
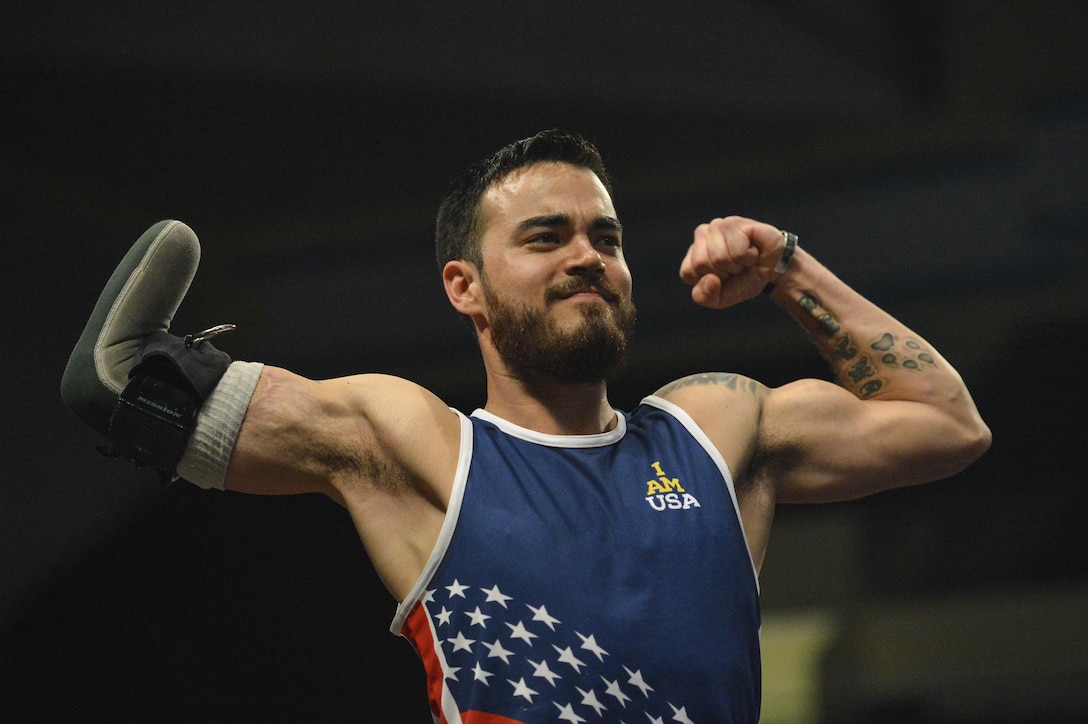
pixel 557 288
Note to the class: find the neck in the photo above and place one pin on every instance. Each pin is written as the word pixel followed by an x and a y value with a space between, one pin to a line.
pixel 551 407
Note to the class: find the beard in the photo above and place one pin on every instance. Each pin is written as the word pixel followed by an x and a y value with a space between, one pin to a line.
pixel 534 348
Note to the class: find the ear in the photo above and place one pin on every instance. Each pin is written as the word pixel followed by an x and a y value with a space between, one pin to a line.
pixel 462 282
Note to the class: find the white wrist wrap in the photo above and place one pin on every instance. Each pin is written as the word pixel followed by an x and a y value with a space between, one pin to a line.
pixel 205 460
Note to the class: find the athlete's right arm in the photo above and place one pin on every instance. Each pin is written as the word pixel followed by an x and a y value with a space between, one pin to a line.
pixel 383 447
pixel 182 407
pixel 348 438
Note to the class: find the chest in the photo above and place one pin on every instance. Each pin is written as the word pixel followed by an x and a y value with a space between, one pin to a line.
pixel 634 510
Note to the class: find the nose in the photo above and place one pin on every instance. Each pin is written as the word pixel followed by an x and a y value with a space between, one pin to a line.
pixel 584 258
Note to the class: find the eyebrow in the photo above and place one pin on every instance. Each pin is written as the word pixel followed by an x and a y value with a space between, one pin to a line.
pixel 606 223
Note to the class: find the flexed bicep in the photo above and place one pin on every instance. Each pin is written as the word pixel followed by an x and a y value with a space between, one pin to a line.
pixel 820 443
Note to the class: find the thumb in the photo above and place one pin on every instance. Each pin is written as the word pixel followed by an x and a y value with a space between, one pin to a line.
pixel 714 292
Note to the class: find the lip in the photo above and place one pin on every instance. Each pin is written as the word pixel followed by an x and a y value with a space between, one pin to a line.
pixel 588 293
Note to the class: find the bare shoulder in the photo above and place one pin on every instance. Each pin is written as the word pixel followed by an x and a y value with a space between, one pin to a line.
pixel 727 407
pixel 698 384
pixel 711 396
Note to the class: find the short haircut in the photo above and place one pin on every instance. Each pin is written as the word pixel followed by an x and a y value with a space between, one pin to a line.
pixel 459 228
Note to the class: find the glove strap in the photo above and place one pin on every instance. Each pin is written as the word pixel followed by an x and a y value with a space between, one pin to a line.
pixel 156 412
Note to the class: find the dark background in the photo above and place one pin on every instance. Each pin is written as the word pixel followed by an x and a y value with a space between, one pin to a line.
pixel 935 154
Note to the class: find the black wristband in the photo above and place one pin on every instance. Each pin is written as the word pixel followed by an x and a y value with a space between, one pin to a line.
pixel 152 422
pixel 156 412
pixel 195 367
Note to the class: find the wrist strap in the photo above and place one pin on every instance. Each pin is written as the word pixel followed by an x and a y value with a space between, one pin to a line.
pixel 157 410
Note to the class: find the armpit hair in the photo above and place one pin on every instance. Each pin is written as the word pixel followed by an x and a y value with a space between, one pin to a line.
pixel 360 465
pixel 772 457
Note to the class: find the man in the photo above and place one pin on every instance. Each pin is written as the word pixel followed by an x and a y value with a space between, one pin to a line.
pixel 554 559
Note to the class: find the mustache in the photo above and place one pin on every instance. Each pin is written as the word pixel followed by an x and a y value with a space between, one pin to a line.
pixel 578 285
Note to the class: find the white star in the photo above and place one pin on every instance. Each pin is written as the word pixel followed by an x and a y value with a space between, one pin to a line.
pixel 681 715
pixel 451 673
pixel 521 689
pixel 614 690
pixel 520 632
pixel 544 672
pixel 541 614
pixel 590 644
pixel 456 589
pixel 444 616
pixel 494 594
pixel 478 674
pixel 496 651
pixel 428 596
pixel 478 618
pixel 589 698
pixel 655 719
pixel 460 643
pixel 567 713
pixel 636 680
pixel 566 656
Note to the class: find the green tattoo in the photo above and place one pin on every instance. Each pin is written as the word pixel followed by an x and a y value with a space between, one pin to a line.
pixel 906 355
pixel 825 320
pixel 844 347
pixel 829 324
pixel 915 358
pixel 884 343
pixel 861 370
pixel 737 383
pixel 870 388
pixel 864 374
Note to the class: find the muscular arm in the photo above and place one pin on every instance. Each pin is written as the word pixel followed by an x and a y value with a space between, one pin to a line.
pixel 900 414
pixel 362 432
pixel 383 447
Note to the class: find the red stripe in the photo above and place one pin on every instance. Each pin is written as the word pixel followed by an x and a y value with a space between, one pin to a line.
pixel 480 717
pixel 418 632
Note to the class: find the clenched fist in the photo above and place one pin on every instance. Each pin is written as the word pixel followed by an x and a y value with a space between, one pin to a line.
pixel 730 260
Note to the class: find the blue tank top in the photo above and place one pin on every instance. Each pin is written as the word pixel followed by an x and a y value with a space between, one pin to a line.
pixel 589 578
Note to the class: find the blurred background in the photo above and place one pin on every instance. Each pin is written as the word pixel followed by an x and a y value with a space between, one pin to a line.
pixel 933 153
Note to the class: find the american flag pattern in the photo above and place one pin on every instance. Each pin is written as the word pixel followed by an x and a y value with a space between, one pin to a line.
pixel 567 587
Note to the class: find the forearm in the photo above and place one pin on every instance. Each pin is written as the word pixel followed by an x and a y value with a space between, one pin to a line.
pixel 873 355
pixel 916 421
pixel 900 414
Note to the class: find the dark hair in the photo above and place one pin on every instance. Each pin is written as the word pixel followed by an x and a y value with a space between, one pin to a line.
pixel 459 228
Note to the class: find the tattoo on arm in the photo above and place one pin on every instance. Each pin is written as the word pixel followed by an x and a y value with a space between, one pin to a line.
pixel 863 373
pixel 844 347
pixel 824 319
pixel 737 383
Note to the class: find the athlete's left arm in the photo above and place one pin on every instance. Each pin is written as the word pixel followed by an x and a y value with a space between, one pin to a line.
pixel 900 415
